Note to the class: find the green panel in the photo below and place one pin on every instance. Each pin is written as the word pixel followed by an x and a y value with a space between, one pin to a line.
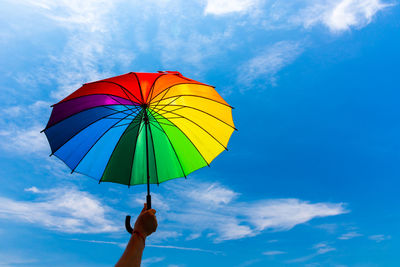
pixel 152 157
pixel 139 168
pixel 189 157
pixel 119 166
pixel 168 165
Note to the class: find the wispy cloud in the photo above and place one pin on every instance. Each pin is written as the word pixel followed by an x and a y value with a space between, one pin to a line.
pixel 349 235
pixel 273 252
pixel 379 238
pixel 62 209
pixel 267 63
pixel 320 248
pixel 228 218
pixel 13 259
pixel 123 245
pixel 184 248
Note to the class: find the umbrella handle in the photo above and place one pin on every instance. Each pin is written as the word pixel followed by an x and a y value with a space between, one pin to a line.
pixel 148 201
pixel 128 224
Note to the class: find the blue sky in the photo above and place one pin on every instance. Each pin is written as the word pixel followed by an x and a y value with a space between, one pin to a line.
pixel 310 179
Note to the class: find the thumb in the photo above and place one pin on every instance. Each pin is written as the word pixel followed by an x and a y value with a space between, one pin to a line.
pixel 144 208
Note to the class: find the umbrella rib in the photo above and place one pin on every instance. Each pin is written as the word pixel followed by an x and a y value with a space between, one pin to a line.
pixel 117 110
pixel 103 106
pixel 123 88
pixel 166 92
pixel 140 87
pixel 164 106
pixel 199 97
pixel 96 142
pixel 125 105
pixel 157 126
pixel 189 140
pixel 176 155
pixel 152 87
pixel 167 88
pixel 182 106
pixel 81 130
pixel 108 162
pixel 154 153
pixel 109 95
pixel 183 117
pixel 165 112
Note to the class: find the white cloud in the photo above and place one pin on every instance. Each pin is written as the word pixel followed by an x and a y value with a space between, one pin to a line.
pixel 32 189
pixel 62 209
pixel 183 248
pixel 320 248
pixel 214 193
pixel 284 214
pixel 273 252
pixel 323 248
pixel 266 64
pixel 379 238
pixel 25 141
pixel 149 243
pixel 341 15
pixel 196 211
pixel 223 7
pixel 349 235
pixel 193 236
pixel 21 129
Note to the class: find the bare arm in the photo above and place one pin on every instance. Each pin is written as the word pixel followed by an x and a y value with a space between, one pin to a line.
pixel 145 225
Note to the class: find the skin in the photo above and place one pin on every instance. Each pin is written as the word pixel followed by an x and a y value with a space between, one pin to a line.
pixel 146 224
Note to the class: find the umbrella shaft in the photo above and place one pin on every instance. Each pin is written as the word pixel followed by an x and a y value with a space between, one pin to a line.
pixel 148 198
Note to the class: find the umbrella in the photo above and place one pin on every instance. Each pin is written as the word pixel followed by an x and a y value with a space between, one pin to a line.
pixel 140 128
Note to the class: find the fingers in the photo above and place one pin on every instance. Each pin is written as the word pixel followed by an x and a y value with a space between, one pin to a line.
pixel 152 211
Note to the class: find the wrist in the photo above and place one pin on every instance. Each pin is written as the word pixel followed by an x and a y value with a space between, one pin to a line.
pixel 140 235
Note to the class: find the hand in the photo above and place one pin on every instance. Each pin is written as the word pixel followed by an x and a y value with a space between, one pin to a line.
pixel 146 222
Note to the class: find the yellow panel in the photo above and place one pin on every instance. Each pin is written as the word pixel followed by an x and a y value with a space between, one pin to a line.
pixel 214 109
pixel 201 91
pixel 206 123
pixel 207 145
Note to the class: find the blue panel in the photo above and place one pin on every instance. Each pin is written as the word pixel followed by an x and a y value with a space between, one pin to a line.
pixel 61 132
pixel 96 160
pixel 76 148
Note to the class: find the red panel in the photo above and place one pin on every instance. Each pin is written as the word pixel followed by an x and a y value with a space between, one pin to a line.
pixel 146 82
pixel 125 86
pixel 130 82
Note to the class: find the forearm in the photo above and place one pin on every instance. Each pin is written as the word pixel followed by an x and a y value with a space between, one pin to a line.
pixel 133 253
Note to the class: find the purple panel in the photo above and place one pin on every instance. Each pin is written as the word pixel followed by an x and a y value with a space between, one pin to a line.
pixel 65 109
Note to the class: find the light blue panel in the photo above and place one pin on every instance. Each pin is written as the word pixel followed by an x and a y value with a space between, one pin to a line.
pixel 76 148
pixel 96 160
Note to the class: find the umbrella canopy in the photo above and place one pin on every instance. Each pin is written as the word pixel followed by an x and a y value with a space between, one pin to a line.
pixel 140 128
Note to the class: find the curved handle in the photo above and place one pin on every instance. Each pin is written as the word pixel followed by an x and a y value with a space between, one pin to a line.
pixel 128 224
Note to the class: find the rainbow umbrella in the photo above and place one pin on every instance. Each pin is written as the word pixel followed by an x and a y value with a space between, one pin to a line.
pixel 140 128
